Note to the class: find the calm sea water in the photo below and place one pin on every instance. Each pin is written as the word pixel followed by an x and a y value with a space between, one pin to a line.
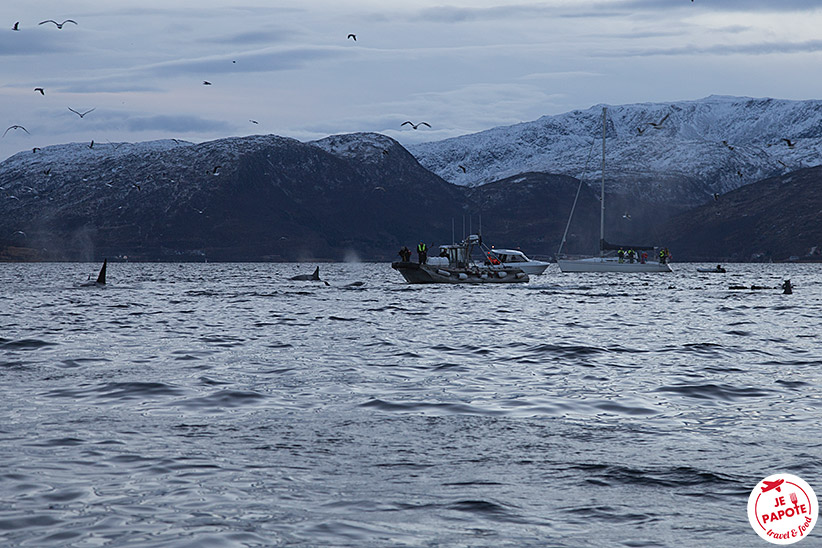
pixel 215 405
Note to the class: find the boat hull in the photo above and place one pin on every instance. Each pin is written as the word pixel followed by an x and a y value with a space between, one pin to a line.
pixel 597 264
pixel 416 273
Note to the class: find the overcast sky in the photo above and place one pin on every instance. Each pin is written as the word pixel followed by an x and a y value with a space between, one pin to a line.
pixel 462 65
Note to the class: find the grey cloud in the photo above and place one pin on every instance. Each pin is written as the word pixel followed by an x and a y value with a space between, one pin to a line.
pixel 177 124
pixel 255 37
pixel 728 5
pixel 453 14
pixel 263 61
pixel 26 42
pixel 762 48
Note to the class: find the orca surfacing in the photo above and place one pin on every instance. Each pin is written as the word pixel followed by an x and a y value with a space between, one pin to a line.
pixel 101 277
pixel 308 277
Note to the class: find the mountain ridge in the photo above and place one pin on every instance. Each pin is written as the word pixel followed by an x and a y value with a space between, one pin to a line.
pixel 673 152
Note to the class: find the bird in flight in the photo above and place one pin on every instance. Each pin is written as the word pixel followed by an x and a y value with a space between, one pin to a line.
pixel 716 196
pixel 254 121
pixel 78 113
pixel 214 171
pixel 15 127
pixel 789 142
pixel 206 83
pixel 35 149
pixel 91 145
pixel 463 169
pixel 59 25
pixel 42 92
pixel 415 126
pixel 354 36
pixel 16 25
pixel 727 145
pixel 658 125
pixel 627 216
pixel 135 185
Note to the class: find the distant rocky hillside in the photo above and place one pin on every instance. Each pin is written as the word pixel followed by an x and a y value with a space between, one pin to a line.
pixel 774 219
pixel 678 153
pixel 269 198
pixel 253 198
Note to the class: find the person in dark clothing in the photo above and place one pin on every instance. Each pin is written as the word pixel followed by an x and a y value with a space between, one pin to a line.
pixel 422 251
pixel 405 254
pixel 621 255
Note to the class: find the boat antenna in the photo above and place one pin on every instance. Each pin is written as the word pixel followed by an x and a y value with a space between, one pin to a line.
pixel 602 191
pixel 576 198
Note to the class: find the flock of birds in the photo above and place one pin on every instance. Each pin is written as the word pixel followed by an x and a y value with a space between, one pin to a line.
pixel 41 91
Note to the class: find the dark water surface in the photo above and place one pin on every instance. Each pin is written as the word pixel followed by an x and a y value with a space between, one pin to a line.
pixel 215 405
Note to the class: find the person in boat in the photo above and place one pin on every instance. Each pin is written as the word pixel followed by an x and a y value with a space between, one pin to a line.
pixel 621 255
pixel 422 252
pixel 405 254
pixel 631 254
pixel 492 259
pixel 643 258
pixel 719 268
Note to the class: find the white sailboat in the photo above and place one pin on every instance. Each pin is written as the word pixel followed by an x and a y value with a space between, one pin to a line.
pixel 605 262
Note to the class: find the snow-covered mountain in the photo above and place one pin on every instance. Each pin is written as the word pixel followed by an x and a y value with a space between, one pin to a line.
pixel 680 152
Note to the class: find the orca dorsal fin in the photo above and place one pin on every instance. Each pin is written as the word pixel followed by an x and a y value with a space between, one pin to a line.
pixel 316 275
pixel 101 278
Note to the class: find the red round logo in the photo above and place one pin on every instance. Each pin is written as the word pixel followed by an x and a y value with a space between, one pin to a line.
pixel 782 509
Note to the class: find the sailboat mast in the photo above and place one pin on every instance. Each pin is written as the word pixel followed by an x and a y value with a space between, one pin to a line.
pixel 602 192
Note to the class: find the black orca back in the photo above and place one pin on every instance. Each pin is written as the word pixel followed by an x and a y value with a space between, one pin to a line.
pixel 316 275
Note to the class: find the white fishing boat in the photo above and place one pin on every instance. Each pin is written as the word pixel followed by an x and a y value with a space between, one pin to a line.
pixel 454 265
pixel 515 257
pixel 657 260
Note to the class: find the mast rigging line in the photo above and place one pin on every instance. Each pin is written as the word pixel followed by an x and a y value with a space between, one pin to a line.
pixel 576 198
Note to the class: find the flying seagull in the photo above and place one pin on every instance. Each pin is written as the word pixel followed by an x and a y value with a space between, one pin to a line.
pixel 254 121
pixel 415 126
pixel 658 125
pixel 716 196
pixel 627 216
pixel 80 114
pixel 15 26
pixel 59 25
pixel 354 36
pixel 15 127
pixel 40 90
pixel 463 169
pixel 206 83
pixel 789 142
